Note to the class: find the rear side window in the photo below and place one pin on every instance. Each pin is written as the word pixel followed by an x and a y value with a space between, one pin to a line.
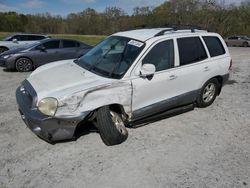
pixel 52 44
pixel 35 37
pixel 233 38
pixel 214 46
pixel 69 44
pixel 161 55
pixel 191 50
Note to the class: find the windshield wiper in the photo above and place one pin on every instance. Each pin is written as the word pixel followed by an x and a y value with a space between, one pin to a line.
pixel 103 56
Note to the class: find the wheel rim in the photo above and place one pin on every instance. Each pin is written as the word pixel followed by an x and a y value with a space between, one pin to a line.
pixel 118 122
pixel 24 65
pixel 208 93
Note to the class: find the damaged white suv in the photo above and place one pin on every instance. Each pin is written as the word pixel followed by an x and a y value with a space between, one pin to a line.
pixel 130 78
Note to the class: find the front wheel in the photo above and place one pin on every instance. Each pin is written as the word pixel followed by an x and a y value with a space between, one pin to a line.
pixel 24 65
pixel 208 93
pixel 111 126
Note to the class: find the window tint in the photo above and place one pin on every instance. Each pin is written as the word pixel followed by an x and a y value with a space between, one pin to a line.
pixel 233 38
pixel 69 44
pixel 51 44
pixel 191 50
pixel 214 46
pixel 21 37
pixel 35 37
pixel 161 55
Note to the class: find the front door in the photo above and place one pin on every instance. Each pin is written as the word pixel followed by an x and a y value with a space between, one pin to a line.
pixel 46 52
pixel 150 94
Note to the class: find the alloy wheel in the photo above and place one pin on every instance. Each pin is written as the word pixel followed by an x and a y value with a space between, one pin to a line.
pixel 209 93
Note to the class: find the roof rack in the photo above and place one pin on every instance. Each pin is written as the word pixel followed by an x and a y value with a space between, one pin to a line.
pixel 179 28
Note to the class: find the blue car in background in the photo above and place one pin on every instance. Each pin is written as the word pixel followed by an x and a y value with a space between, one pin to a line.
pixel 45 51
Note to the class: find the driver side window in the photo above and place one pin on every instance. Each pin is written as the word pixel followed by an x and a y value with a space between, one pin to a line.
pixel 161 56
pixel 49 45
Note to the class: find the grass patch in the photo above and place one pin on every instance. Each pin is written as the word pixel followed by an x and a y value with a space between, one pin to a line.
pixel 89 39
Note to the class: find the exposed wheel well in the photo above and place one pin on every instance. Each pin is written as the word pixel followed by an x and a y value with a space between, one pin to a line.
pixel 220 80
pixel 4 47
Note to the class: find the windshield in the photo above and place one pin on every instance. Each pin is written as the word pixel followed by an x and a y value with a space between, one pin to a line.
pixel 112 57
pixel 8 38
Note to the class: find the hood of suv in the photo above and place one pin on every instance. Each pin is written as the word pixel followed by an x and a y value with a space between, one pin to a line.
pixel 63 78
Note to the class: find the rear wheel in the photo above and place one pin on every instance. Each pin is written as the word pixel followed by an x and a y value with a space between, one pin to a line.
pixel 24 65
pixel 245 44
pixel 111 126
pixel 3 49
pixel 208 93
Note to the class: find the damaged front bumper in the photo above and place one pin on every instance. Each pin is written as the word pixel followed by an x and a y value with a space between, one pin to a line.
pixel 51 129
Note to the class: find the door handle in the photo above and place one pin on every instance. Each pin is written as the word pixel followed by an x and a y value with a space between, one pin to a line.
pixel 206 69
pixel 172 77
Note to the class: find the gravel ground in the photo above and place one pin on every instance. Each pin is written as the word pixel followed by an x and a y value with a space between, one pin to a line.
pixel 201 148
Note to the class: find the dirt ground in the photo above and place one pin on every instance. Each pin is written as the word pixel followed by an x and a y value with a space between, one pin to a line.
pixel 201 148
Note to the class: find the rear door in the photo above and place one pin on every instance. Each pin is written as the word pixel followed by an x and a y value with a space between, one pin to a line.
pixel 194 67
pixel 49 54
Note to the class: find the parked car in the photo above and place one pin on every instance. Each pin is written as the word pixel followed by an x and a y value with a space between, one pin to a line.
pixel 129 78
pixel 238 41
pixel 19 40
pixel 40 53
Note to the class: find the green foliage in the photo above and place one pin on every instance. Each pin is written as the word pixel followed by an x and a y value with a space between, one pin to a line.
pixel 210 14
pixel 89 39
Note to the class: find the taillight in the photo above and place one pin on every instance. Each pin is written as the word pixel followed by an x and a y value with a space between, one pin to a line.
pixel 231 64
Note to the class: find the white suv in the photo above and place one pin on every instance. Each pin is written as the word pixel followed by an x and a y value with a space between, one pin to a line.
pixel 127 79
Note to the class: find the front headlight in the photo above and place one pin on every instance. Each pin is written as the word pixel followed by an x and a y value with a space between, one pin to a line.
pixel 48 106
pixel 6 56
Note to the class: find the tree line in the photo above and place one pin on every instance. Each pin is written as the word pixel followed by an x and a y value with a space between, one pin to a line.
pixel 210 14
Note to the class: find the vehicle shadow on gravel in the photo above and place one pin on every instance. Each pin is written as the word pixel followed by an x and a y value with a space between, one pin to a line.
pixel 9 70
pixel 84 129
pixel 231 82
pixel 81 130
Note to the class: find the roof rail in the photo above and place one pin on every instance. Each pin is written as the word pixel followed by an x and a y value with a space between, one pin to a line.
pixel 179 28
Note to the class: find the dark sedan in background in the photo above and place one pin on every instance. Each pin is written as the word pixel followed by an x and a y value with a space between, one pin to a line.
pixel 42 52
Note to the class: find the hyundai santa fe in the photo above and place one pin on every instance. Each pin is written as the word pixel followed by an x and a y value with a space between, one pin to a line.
pixel 129 78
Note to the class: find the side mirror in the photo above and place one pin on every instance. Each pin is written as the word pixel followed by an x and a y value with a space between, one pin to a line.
pixel 147 70
pixel 41 48
pixel 14 41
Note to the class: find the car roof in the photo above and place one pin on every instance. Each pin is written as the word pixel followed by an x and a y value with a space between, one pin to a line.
pixel 53 39
pixel 146 34
pixel 30 34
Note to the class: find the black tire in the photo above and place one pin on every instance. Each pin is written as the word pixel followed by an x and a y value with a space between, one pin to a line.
pixel 3 49
pixel 24 64
pixel 111 133
pixel 208 93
